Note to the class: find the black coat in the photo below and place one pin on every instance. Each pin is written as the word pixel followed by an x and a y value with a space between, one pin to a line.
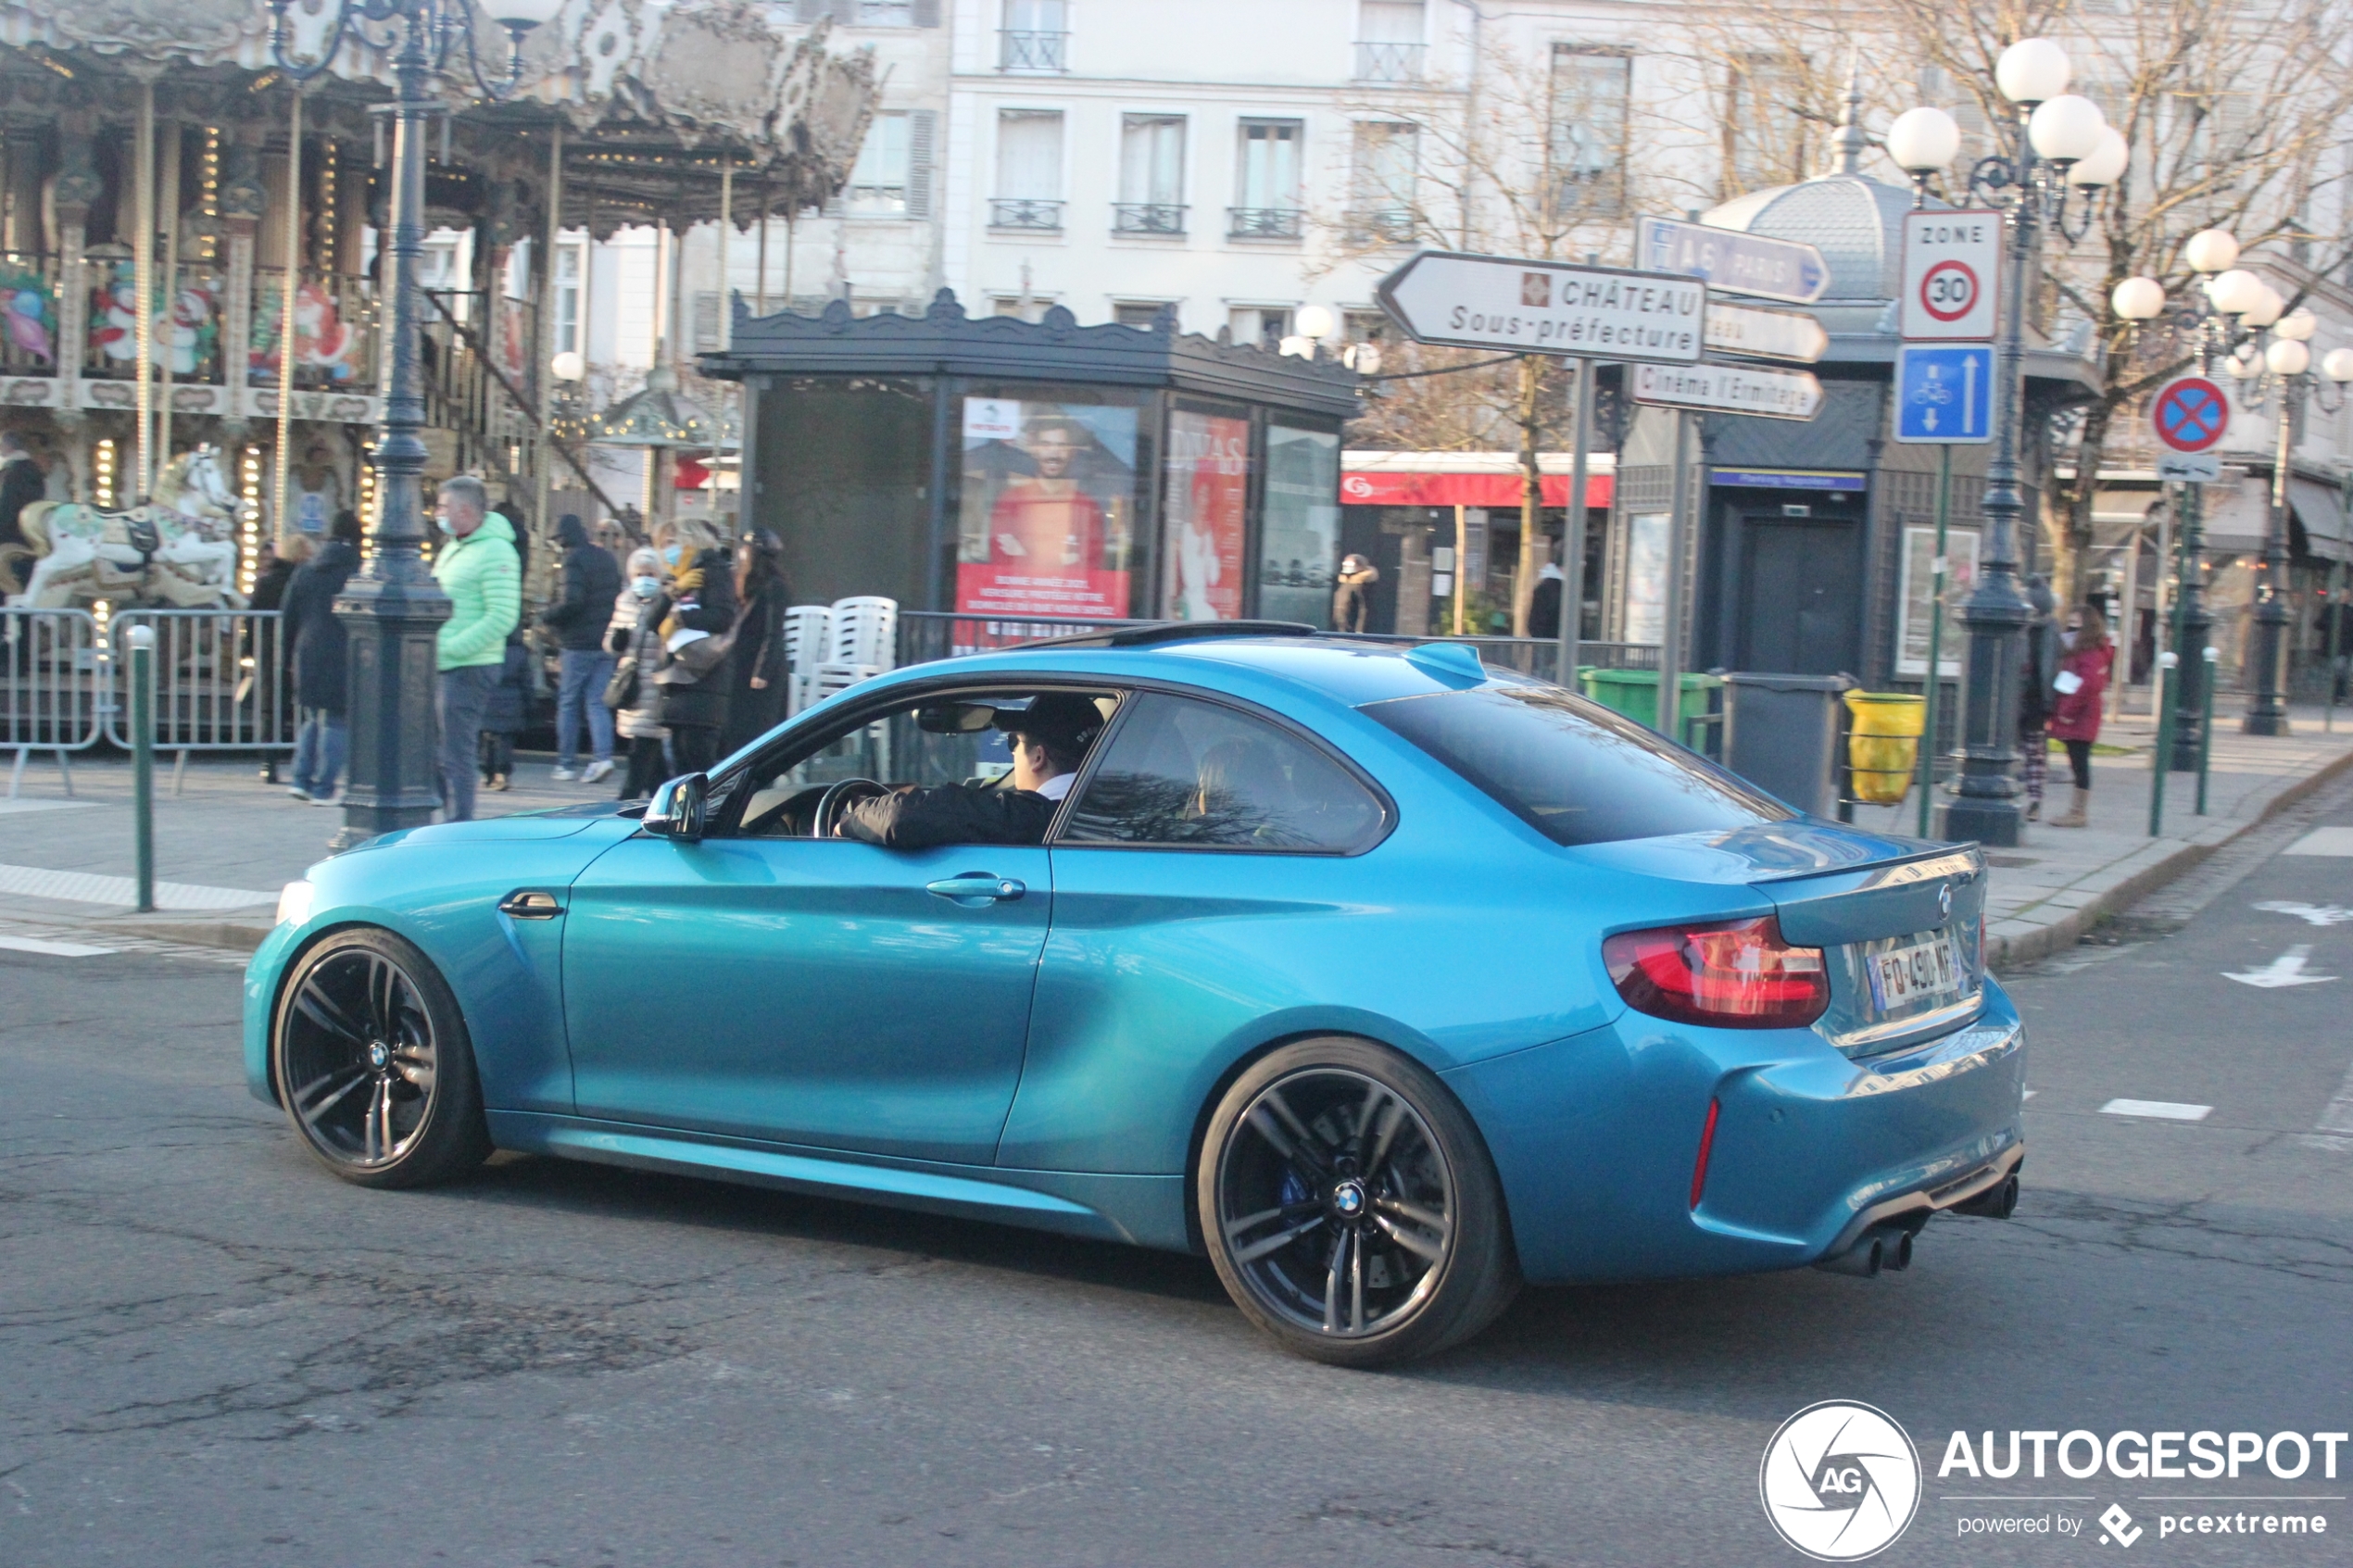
pixel 21 484
pixel 1544 609
pixel 315 639
pixel 270 588
pixel 758 651
pixel 591 580
pixel 503 712
pixel 922 819
pixel 687 699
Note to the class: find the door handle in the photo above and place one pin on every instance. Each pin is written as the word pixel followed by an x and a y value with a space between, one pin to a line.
pixel 530 906
pixel 974 888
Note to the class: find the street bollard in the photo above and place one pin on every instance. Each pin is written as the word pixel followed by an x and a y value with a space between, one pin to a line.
pixel 141 641
pixel 2164 753
pixel 2206 732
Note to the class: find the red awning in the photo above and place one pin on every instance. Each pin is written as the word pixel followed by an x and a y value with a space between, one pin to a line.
pixel 1391 489
pixel 691 475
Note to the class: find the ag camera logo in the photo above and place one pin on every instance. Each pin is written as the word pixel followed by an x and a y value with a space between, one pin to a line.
pixel 1840 1481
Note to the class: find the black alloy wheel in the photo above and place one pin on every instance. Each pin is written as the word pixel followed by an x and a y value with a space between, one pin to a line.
pixel 1350 1207
pixel 373 1065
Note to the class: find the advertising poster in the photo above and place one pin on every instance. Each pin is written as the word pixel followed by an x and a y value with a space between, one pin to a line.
pixel 1205 508
pixel 1960 577
pixel 1045 523
pixel 1299 547
pixel 1646 577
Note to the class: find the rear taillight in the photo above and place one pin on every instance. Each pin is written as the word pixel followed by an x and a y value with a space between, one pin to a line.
pixel 1740 975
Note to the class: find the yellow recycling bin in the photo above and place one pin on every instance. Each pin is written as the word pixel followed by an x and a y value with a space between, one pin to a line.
pixel 1883 744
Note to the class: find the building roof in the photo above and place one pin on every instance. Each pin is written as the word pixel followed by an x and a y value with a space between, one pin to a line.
pixel 1856 223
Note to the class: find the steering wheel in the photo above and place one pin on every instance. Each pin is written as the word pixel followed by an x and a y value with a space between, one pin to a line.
pixel 827 817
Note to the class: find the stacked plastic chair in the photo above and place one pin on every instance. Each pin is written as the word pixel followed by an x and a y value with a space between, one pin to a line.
pixel 860 643
pixel 807 629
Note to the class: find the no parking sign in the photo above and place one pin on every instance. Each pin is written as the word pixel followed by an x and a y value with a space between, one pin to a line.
pixel 2191 416
pixel 1952 276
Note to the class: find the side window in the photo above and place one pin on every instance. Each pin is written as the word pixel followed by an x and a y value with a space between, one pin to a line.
pixel 1194 774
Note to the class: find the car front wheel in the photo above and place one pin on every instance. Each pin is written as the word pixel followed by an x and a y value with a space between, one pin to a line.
pixel 373 1065
pixel 1350 1206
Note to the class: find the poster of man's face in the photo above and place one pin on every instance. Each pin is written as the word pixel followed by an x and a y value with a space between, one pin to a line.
pixel 1044 520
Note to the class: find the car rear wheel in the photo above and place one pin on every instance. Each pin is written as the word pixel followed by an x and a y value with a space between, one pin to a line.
pixel 1350 1206
pixel 373 1065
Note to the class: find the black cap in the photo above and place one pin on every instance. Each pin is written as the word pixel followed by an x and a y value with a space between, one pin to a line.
pixel 1063 720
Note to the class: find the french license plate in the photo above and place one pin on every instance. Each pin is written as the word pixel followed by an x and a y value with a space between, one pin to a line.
pixel 1919 971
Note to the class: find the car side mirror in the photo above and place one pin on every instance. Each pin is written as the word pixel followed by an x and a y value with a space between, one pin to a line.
pixel 678 808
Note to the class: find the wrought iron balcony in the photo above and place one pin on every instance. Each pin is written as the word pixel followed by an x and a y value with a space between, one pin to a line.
pixel 1265 222
pixel 1387 225
pixel 1390 62
pixel 1023 212
pixel 1146 217
pixel 1027 49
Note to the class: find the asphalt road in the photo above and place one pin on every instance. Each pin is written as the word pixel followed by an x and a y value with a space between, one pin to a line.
pixel 213 1353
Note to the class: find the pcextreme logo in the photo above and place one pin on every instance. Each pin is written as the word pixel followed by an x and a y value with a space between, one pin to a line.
pixel 1840 1481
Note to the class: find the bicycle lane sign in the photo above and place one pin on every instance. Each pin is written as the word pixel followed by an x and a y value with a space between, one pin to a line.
pixel 2190 415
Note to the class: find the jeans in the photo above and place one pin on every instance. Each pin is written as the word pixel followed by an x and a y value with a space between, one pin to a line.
pixel 319 746
pixel 464 694
pixel 582 674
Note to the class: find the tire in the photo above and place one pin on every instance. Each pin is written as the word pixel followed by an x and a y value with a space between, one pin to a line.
pixel 1350 1207
pixel 373 1063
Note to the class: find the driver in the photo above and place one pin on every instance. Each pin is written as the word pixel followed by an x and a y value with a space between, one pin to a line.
pixel 1048 740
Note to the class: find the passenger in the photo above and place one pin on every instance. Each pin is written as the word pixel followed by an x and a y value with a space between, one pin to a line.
pixel 1050 739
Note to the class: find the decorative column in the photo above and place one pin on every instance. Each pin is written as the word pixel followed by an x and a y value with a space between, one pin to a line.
pixel 243 197
pixel 2267 649
pixel 283 457
pixel 71 191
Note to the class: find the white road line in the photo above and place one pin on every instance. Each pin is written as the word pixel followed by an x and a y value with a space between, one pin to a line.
pixel 53 949
pixel 2338 1117
pixel 2162 1109
pixel 2324 841
pixel 23 804
pixel 121 892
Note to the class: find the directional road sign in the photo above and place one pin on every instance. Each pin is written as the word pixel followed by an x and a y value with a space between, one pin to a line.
pixel 1764 333
pixel 1952 276
pixel 1733 262
pixel 2190 414
pixel 1545 308
pixel 1945 394
pixel 1730 389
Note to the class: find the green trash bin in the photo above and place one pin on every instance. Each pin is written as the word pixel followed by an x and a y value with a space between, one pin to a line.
pixel 1635 693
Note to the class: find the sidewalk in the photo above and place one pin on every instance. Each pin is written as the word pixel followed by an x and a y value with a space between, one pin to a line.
pixel 227 843
pixel 2044 894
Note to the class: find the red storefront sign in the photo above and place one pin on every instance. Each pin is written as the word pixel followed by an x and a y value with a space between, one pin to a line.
pixel 1386 488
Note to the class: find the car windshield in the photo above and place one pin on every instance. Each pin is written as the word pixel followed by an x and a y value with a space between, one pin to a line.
pixel 1572 770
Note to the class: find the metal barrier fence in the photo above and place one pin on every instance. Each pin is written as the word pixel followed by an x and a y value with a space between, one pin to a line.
pixel 221 680
pixel 51 685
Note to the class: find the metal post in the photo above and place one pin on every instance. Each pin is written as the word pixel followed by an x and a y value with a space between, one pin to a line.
pixel 2192 625
pixel 143 285
pixel 1462 556
pixel 2206 735
pixel 141 642
pixel 2166 660
pixel 2267 650
pixel 1985 805
pixel 2335 645
pixel 2131 619
pixel 393 607
pixel 282 458
pixel 1932 689
pixel 1573 523
pixel 1670 635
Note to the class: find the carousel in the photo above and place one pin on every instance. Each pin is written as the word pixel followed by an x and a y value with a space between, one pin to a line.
pixel 190 268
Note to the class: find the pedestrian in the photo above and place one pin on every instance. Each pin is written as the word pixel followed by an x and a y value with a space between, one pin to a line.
pixel 22 482
pixel 2040 667
pixel 702 594
pixel 273 699
pixel 2083 671
pixel 635 635
pixel 502 715
pixel 757 672
pixel 1352 595
pixel 317 647
pixel 478 569
pixel 579 620
pixel 2336 633
pixel 1544 604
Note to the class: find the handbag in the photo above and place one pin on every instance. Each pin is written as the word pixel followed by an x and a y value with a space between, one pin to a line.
pixel 701 657
pixel 621 692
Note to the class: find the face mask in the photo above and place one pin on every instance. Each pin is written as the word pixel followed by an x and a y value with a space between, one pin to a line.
pixel 645 587
pixel 670 555
pixel 2067 639
pixel 443 523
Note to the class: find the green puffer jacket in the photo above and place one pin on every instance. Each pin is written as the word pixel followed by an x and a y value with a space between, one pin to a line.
pixel 483 576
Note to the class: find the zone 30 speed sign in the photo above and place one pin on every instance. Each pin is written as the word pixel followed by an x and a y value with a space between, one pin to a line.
pixel 1952 272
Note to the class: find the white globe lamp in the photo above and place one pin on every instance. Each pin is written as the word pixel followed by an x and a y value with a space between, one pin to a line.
pixel 569 365
pixel 2138 300
pixel 2066 129
pixel 2236 292
pixel 2266 309
pixel 2337 365
pixel 2032 70
pixel 1923 140
pixel 1316 321
pixel 2106 164
pixel 2297 325
pixel 2211 250
pixel 2288 357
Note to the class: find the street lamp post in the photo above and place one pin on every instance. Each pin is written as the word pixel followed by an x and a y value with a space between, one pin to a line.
pixel 393 607
pixel 2059 146
pixel 2282 376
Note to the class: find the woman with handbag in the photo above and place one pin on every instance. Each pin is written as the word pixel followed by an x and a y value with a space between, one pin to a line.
pixel 2075 710
pixel 635 636
pixel 697 637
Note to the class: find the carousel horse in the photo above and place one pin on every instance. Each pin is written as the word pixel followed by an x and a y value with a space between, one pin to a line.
pixel 178 550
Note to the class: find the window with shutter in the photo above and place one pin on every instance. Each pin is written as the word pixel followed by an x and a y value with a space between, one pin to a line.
pixel 923 130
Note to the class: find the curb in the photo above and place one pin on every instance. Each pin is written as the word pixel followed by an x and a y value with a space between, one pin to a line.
pixel 238 935
pixel 2005 952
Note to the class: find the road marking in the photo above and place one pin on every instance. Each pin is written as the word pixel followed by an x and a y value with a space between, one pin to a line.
pixel 2324 841
pixel 2285 969
pixel 2311 914
pixel 20 804
pixel 53 949
pixel 87 887
pixel 2162 1109
pixel 2338 1117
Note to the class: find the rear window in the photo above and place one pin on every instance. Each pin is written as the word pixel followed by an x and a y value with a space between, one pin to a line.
pixel 1572 770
